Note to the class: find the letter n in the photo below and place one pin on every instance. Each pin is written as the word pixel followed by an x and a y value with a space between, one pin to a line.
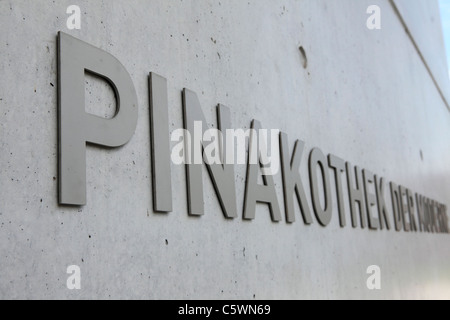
pixel 222 175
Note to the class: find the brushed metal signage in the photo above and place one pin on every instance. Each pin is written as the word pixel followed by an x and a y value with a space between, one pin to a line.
pixel 410 212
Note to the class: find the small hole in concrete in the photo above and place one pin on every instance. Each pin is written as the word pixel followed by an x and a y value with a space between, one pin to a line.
pixel 303 56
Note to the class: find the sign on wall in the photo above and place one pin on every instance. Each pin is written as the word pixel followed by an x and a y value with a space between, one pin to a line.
pixel 219 150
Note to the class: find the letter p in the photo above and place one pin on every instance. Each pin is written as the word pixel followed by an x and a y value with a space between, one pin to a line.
pixel 76 127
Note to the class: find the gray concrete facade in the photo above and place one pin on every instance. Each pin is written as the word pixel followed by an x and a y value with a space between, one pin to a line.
pixel 376 98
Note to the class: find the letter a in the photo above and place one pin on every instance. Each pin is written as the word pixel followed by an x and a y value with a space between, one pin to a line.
pixel 74 281
pixel 374 21
pixel 74 21
pixel 374 281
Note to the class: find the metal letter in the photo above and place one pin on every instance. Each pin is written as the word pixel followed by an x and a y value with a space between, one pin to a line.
pixel 396 207
pixel 432 212
pixel 381 204
pixel 338 165
pixel 403 208
pixel 443 226
pixel 439 218
pixel 76 127
pixel 255 192
pixel 369 178
pixel 445 218
pixel 420 212
pixel 292 181
pixel 436 213
pixel 222 175
pixel 446 226
pixel 159 119
pixel 427 214
pixel 317 158
pixel 436 206
pixel 410 202
pixel 356 194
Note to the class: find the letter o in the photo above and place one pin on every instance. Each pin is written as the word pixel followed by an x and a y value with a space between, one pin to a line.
pixel 317 158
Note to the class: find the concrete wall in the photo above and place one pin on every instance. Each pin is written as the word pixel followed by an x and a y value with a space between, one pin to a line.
pixel 369 97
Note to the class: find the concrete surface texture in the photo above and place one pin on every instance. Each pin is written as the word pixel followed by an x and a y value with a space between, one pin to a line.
pixel 376 98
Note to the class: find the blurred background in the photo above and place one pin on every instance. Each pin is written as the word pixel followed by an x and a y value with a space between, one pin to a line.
pixel 445 17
